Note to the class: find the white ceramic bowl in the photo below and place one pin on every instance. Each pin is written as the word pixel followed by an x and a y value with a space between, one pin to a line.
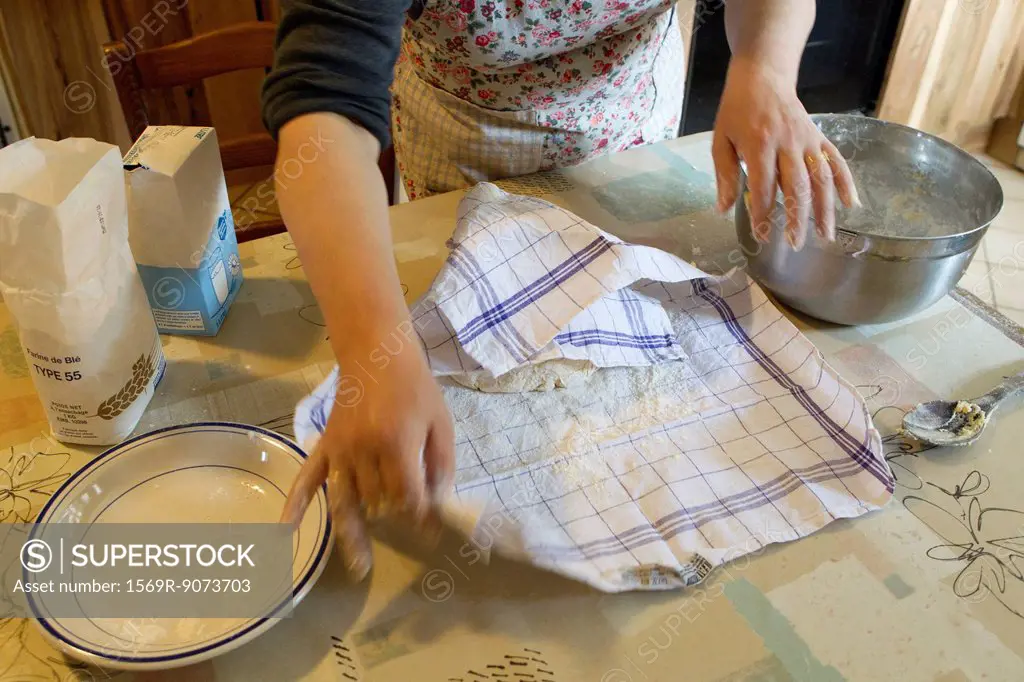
pixel 211 472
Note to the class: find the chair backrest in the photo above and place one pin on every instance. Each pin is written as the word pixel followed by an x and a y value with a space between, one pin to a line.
pixel 242 46
pixel 271 9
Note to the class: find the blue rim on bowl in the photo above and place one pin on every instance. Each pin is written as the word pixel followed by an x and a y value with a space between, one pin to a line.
pixel 225 642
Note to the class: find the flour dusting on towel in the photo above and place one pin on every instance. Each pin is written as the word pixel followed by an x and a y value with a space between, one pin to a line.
pixel 714 428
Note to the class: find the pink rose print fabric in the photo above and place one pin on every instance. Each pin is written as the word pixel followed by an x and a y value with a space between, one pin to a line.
pixel 486 89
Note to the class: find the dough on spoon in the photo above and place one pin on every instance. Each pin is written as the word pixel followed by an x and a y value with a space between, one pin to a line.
pixel 543 376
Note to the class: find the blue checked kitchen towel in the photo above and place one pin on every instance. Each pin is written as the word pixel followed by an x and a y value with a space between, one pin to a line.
pixel 713 429
pixel 528 282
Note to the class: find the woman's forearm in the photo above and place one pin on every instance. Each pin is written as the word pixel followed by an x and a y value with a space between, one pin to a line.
pixel 334 203
pixel 772 33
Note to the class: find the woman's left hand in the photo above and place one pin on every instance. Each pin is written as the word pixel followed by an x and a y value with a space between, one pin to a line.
pixel 761 121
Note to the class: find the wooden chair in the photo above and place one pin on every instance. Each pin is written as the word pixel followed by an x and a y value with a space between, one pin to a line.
pixel 270 10
pixel 244 46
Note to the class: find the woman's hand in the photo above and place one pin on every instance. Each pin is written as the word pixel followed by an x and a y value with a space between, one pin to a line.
pixel 389 446
pixel 388 449
pixel 761 121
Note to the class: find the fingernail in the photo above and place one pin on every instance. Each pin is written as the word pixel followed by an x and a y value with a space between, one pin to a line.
pixel 791 238
pixel 856 198
pixel 379 510
pixel 290 515
pixel 358 567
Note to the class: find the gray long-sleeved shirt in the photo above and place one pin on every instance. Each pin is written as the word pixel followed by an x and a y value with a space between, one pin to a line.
pixel 335 56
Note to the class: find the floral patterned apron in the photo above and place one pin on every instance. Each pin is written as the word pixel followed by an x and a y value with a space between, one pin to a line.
pixel 490 89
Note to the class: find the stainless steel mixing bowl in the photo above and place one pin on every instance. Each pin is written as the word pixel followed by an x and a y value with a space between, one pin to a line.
pixel 863 278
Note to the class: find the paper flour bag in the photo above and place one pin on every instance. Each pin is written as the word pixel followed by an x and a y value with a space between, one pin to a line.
pixel 181 230
pixel 69 280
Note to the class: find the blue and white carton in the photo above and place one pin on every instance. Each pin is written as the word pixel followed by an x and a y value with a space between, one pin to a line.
pixel 181 230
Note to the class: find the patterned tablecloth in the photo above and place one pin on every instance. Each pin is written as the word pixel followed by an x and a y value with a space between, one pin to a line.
pixel 929 589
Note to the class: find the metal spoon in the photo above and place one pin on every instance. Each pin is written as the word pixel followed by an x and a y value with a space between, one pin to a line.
pixel 945 422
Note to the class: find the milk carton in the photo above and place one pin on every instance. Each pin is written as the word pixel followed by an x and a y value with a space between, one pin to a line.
pixel 182 233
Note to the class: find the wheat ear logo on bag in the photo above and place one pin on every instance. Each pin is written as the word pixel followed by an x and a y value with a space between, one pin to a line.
pixel 142 373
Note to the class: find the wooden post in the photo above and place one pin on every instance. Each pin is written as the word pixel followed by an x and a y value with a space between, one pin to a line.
pixel 953 66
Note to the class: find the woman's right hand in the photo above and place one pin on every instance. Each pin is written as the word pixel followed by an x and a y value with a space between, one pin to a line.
pixel 389 444
pixel 388 449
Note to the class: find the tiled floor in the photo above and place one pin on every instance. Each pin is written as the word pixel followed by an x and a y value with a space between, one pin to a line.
pixel 996 275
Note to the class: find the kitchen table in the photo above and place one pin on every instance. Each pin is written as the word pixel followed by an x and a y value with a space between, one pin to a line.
pixel 929 589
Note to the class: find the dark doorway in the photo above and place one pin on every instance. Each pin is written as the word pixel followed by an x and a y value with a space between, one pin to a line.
pixel 842 69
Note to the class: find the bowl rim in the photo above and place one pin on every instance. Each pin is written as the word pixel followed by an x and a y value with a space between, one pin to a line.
pixel 252 629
